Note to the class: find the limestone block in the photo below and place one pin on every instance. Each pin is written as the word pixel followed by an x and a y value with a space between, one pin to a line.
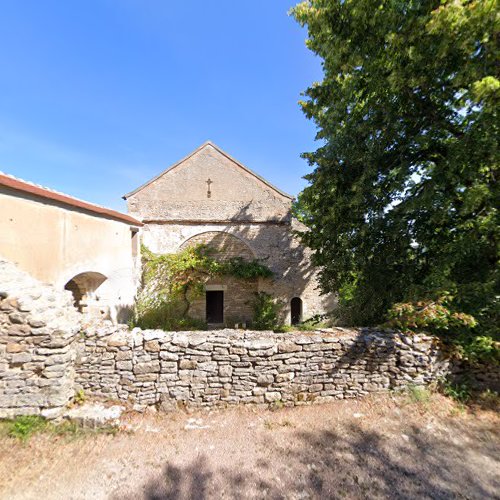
pixel 36 323
pixel 117 341
pixel 169 356
pixel 260 344
pixel 147 367
pixel 124 365
pixel 123 355
pixel 265 379
pixel 225 371
pixel 271 397
pixel 15 348
pixel 152 346
pixel 169 367
pixel 208 366
pixel 287 347
pixel 180 339
pixel 20 358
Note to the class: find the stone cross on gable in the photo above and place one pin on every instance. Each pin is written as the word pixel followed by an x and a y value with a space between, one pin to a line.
pixel 209 192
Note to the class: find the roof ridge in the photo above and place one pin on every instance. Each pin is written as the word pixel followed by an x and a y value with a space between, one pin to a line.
pixel 221 151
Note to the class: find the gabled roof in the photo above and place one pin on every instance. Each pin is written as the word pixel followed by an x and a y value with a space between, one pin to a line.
pixel 204 145
pixel 16 184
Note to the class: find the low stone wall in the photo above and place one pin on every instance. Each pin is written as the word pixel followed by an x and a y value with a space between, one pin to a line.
pixel 232 366
pixel 38 326
pixel 45 357
pixel 478 375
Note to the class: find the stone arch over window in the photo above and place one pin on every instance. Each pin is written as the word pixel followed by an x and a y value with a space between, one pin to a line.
pixel 296 310
pixel 226 245
pixel 84 286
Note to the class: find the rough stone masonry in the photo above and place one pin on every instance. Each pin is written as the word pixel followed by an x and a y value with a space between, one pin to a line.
pixel 46 355
pixel 222 367
pixel 38 326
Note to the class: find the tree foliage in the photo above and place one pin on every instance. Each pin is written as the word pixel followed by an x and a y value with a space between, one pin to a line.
pixel 403 197
pixel 428 314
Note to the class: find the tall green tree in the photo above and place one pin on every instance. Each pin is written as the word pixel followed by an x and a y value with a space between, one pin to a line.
pixel 403 197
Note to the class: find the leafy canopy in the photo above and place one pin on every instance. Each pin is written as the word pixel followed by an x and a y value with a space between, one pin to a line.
pixel 403 197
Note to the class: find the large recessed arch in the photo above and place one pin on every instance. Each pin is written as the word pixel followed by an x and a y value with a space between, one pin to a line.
pixel 226 245
pixel 227 300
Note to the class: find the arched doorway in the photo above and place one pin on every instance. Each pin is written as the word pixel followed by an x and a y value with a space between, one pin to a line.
pixel 296 310
pixel 83 286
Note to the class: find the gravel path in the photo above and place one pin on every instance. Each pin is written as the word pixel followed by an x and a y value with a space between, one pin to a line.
pixel 379 447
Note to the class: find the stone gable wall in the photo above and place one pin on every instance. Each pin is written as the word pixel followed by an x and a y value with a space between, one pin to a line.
pixel 225 367
pixel 181 193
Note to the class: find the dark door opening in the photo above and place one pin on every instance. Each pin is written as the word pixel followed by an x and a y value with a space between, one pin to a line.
pixel 215 306
pixel 296 306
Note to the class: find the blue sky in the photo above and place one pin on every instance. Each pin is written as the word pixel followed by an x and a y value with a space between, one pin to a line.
pixel 98 96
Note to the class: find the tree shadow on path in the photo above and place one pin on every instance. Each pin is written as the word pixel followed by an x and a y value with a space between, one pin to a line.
pixel 351 463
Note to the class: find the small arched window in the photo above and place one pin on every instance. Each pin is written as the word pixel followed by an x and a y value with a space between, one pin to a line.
pixel 296 310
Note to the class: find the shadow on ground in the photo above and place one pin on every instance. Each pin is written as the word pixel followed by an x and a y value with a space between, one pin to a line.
pixel 351 464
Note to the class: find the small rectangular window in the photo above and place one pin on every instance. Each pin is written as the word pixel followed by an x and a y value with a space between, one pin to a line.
pixel 135 243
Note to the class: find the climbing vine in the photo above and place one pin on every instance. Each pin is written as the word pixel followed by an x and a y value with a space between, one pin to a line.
pixel 170 282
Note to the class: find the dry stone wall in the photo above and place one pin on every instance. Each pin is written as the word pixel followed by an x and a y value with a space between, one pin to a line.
pixel 45 357
pixel 224 367
pixel 38 326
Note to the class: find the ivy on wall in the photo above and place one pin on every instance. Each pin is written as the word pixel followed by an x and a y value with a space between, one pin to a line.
pixel 170 282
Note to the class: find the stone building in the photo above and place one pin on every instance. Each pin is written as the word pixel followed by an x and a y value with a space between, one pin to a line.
pixel 210 198
pixel 71 244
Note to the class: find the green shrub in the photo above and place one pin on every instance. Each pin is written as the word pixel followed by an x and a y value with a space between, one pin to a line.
pixel 79 397
pixel 244 269
pixel 284 329
pixel 481 348
pixel 265 312
pixel 456 329
pixel 489 399
pixel 460 392
pixel 430 315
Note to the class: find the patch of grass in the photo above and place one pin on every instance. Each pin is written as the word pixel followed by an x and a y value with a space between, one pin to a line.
pixel 23 428
pixel 73 430
pixel 419 394
pixel 274 425
pixel 457 410
pixel 489 399
pixel 277 405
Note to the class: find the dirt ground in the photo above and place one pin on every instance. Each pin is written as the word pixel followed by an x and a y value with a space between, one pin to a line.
pixel 380 447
